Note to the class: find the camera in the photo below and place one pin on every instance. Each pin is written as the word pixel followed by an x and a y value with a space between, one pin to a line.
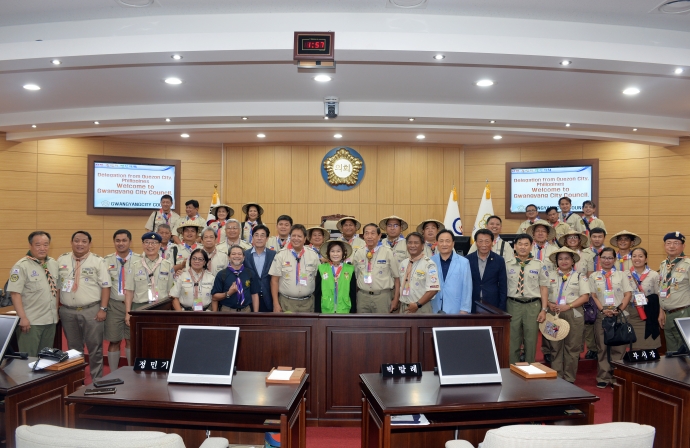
pixel 330 105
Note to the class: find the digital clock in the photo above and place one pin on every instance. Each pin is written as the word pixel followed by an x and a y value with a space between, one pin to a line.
pixel 314 46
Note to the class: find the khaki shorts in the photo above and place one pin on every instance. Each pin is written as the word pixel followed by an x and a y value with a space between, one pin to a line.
pixel 115 327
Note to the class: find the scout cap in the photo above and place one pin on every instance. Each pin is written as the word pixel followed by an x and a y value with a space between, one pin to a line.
pixel 384 221
pixel 439 224
pixel 152 236
pixel 541 222
pixel 327 247
pixel 675 236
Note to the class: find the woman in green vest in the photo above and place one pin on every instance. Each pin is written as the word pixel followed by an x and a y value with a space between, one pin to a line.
pixel 335 285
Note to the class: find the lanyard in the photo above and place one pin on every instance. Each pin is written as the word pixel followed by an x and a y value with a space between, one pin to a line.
pixel 565 279
pixel 298 258
pixel 150 272
pixel 336 276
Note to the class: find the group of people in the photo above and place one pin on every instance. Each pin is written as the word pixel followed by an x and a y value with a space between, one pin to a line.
pixel 231 266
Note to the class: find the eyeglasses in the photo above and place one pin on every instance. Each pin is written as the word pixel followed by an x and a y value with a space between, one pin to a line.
pixel 573 237
pixel 198 259
pixel 393 225
pixel 151 242
pixel 607 258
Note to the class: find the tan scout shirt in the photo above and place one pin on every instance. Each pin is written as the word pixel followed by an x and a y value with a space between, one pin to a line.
pixel 508 251
pixel 536 275
pixel 183 253
pixel 586 263
pixel 183 289
pixel 113 266
pixel 679 293
pixel 217 262
pixel 574 287
pixel 186 218
pixel 623 263
pixel 384 269
pixel 580 226
pixel 399 248
pixel 650 284
pixel 572 219
pixel 546 251
pixel 272 243
pixel 225 247
pixel 29 279
pixel 356 243
pixel 173 220
pixel 561 229
pixel 522 228
pixel 423 277
pixel 93 277
pixel 137 279
pixel 220 231
pixel 619 282
pixel 285 266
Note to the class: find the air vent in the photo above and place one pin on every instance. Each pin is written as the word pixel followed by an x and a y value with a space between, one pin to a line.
pixel 135 3
pixel 672 7
pixel 406 4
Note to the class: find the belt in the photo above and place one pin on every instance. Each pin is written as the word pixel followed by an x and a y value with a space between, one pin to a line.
pixel 524 301
pixel 677 309
pixel 373 293
pixel 189 308
pixel 297 298
pixel 83 307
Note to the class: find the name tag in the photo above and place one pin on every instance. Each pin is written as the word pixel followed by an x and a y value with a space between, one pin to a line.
pixel 378 261
pixel 67 286
pixel 609 298
pixel 663 294
pixel 640 299
pixel 534 272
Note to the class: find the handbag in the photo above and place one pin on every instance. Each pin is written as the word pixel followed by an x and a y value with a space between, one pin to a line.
pixel 617 331
pixel 590 309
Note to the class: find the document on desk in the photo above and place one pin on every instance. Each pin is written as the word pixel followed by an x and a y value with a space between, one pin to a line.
pixel 42 364
pixel 531 370
pixel 410 419
pixel 280 375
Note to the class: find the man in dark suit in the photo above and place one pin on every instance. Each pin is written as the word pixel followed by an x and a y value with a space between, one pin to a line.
pixel 489 280
pixel 259 259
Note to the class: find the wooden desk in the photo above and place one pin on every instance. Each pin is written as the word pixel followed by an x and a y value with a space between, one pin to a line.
pixel 330 347
pixel 32 398
pixel 655 394
pixel 146 402
pixel 473 410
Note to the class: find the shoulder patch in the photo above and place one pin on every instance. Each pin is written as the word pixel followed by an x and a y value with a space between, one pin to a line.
pixel 14 277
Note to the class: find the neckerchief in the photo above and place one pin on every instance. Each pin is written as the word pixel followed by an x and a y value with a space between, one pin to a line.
pixel 370 255
pixel 150 272
pixel 210 257
pixel 315 249
pixel 165 216
pixel 565 279
pixel 432 246
pixel 187 218
pixel 668 274
pixel 196 283
pixel 336 275
pixel 541 251
pixel 281 242
pixel 609 284
pixel 221 223
pixel 121 272
pixel 564 218
pixel 587 222
pixel 392 244
pixel 521 277
pixel 623 259
pixel 351 241
pixel 167 246
pixel 410 267
pixel 298 257
pixel 77 269
pixel 188 247
pixel 251 225
pixel 639 279
pixel 44 265
pixel 597 263
pixel 238 282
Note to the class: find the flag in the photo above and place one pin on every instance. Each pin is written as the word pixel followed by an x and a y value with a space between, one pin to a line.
pixel 452 220
pixel 486 209
pixel 215 201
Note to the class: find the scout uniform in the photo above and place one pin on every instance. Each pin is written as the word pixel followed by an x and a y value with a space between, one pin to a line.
pixel 115 327
pixel 150 280
pixel 375 272
pixel 399 246
pixel 586 263
pixel 565 288
pixel 355 242
pixel 543 253
pixel 674 293
pixel 184 250
pixel 500 247
pixel 248 226
pixel 336 291
pixel 317 250
pixel 225 246
pixel 217 261
pixel 624 262
pixel 193 290
pixel 187 219
pixel 610 291
pixel 160 217
pixel 524 225
pixel 584 225
pixel 524 304
pixel 561 228
pixel 416 278
pixel 218 225
pixel 32 279
pixel 80 283
pixel 646 285
pixel 429 248
pixel 277 244
pixel 571 219
pixel 297 281
pixel 165 248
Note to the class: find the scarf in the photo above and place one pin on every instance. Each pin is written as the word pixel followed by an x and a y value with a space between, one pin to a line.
pixel 251 225
pixel 121 276
pixel 432 246
pixel 153 292
pixel 623 259
pixel 565 279
pixel 393 243
pixel 188 247
pixel 597 263
pixel 49 276
pixel 336 275
pixel 221 223
pixel 283 243
pixel 521 277
pixel 196 283
pixel 165 216
pixel 370 255
pixel 238 282
pixel 298 257
pixel 541 251
pixel 668 268
pixel 77 270
pixel 210 258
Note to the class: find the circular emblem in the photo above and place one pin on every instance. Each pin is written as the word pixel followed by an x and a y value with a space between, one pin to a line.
pixel 105 203
pixel 457 226
pixel 342 168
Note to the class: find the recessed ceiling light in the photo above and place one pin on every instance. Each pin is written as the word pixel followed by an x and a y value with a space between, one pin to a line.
pixel 492 121
pixel 184 135
pixel 421 137
pixel 411 119
pixel 634 129
pixel 261 135
pixel 96 122
pixel 322 78
pixel 438 57
pixel 245 118
pixel 176 57
pixel 31 87
pixel 338 136
pixel 56 62
pixel 167 120
pixel 173 81
pixel 33 125
pixel 567 125
pixel 631 91
pixel 565 63
pixel 485 83
pixel 498 137
pixel 678 71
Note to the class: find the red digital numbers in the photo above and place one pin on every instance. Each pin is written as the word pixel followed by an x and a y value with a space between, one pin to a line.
pixel 314 44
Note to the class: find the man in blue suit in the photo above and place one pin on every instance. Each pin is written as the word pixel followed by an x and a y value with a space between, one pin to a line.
pixel 259 260
pixel 489 279
pixel 455 296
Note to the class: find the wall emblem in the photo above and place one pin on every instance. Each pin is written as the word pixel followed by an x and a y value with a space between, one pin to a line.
pixel 342 168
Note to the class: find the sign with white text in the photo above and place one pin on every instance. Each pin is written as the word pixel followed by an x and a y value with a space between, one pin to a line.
pixel 131 186
pixel 544 186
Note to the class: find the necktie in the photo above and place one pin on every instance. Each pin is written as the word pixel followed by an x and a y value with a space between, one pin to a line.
pixel 51 280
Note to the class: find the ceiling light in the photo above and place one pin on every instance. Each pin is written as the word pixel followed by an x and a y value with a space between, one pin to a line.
pixel 421 137
pixel 167 120
pixel 261 135
pixel 33 125
pixel 31 87
pixel 438 57
pixel 322 78
pixel 631 91
pixel 565 63
pixel 96 122
pixel 567 125
pixel 56 62
pixel 678 71
pixel 184 135
pixel 498 137
pixel 411 119
pixel 173 81
pixel 634 129
pixel 675 7
pixel 338 136
pixel 492 121
pixel 244 118
pixel 136 3
pixel 485 83
pixel 176 57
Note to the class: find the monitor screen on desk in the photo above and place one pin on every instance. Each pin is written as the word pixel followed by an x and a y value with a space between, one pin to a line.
pixel 7 326
pixel 204 355
pixel 683 324
pixel 466 355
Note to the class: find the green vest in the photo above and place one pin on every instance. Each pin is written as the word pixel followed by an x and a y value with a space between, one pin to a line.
pixel 328 289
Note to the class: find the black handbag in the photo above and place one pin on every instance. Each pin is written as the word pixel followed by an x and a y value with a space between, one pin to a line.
pixel 590 309
pixel 618 331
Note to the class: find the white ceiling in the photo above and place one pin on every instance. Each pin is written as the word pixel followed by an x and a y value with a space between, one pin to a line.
pixel 238 62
